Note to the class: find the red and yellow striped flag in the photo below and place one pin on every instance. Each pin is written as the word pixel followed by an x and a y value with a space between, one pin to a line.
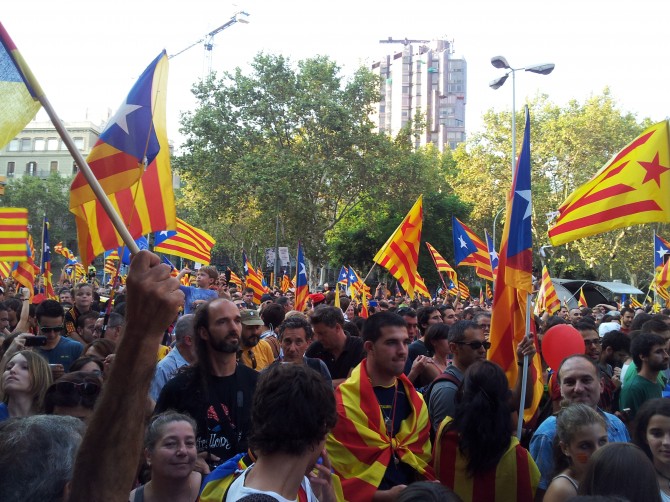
pixel 581 302
pixel 547 299
pixel 24 272
pixel 632 188
pixel 400 254
pixel 634 303
pixel 441 264
pixel 463 290
pixel 234 278
pixel 13 234
pixel 420 287
pixel 189 242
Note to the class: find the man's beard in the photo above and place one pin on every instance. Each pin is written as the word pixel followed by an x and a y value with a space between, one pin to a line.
pixel 225 346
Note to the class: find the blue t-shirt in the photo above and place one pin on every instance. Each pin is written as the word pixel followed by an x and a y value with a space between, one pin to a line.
pixel 65 353
pixel 192 294
pixel 4 412
pixel 541 444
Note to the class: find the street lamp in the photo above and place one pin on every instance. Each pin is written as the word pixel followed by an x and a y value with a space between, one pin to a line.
pixel 501 62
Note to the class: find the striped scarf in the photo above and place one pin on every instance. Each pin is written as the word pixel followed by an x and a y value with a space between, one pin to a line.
pixel 359 447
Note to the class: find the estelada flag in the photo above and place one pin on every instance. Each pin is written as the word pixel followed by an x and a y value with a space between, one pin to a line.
pixel 400 253
pixel 132 162
pixel 470 250
pixel 632 188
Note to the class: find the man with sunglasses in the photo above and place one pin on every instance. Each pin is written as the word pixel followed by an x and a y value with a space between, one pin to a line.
pixel 58 349
pixel 468 345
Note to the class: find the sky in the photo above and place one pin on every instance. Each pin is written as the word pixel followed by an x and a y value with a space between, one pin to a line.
pixel 87 55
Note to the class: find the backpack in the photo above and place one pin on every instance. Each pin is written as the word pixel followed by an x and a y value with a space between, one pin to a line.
pixel 442 377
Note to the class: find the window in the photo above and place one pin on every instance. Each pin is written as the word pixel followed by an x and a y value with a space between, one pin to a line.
pixel 53 167
pixel 13 145
pixel 52 144
pixel 26 144
pixel 75 168
pixel 31 168
pixel 39 144
pixel 10 169
pixel 79 143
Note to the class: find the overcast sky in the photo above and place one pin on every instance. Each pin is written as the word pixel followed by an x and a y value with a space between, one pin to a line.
pixel 87 55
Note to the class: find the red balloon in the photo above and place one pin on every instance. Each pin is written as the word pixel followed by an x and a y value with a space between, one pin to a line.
pixel 559 342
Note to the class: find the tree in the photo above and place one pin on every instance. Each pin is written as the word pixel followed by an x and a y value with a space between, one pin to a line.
pixel 568 146
pixel 42 197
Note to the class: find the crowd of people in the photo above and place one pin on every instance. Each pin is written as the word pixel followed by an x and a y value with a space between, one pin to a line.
pixel 183 393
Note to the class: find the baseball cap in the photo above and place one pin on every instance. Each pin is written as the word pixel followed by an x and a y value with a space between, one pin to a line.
pixel 251 318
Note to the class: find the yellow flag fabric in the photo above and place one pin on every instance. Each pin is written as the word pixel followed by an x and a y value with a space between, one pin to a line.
pixel 632 188
pixel 400 254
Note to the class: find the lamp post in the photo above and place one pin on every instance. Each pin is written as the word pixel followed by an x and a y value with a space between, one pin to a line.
pixel 501 62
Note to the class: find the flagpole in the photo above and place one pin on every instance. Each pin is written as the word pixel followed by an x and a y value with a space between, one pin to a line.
pixel 524 381
pixel 44 222
pixel 79 159
pixel 374 264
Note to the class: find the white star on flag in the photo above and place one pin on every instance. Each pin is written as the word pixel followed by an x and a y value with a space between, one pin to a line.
pixel 121 115
pixel 462 241
pixel 661 251
pixel 525 194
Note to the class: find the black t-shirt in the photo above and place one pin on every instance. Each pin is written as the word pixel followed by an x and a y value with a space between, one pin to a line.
pixel 222 411
pixel 400 473
pixel 350 357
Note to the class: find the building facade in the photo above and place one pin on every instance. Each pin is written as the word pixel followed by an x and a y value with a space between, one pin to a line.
pixel 39 151
pixel 424 79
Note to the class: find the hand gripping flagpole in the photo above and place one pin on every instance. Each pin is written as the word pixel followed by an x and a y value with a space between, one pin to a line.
pixel 79 159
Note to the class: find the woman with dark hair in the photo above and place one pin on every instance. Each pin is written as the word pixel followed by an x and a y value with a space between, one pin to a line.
pixel 580 431
pixel 652 434
pixel 437 343
pixel 170 451
pixel 621 469
pixel 24 380
pixel 100 348
pixel 88 364
pixel 74 394
pixel 475 453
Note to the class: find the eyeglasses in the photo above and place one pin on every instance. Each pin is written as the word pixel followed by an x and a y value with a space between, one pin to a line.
pixel 476 345
pixel 85 389
pixel 596 341
pixel 49 329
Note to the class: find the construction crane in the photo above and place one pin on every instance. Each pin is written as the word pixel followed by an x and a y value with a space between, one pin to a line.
pixel 391 40
pixel 239 17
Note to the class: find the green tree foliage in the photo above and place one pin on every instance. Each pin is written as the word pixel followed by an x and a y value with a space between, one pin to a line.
pixel 568 146
pixel 48 197
pixel 298 142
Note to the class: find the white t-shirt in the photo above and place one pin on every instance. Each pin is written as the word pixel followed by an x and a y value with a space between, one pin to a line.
pixel 237 490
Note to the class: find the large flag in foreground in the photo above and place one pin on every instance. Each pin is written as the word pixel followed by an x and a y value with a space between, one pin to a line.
pixel 188 242
pixel 301 286
pixel 18 99
pixel 511 291
pixel 13 233
pixel 632 188
pixel 136 136
pixel 470 250
pixel 400 254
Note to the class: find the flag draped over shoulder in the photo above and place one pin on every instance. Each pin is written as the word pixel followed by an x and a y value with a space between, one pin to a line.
pixel 359 446
pixel 510 302
pixel 400 254
pixel 470 250
pixel 188 242
pixel 547 299
pixel 18 98
pixel 13 234
pixel 301 286
pixel 441 264
pixel 632 188
pixel 142 196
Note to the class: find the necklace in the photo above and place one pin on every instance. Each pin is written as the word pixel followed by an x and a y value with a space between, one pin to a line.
pixel 389 421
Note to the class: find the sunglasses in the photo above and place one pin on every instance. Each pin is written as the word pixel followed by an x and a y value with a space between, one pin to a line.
pixel 476 345
pixel 85 389
pixel 49 329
